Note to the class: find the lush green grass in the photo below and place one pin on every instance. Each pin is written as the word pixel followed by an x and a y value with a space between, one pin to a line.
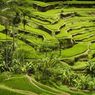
pixel 80 65
pixel 75 50
pixel 92 47
pixel 42 4
pixel 46 87
pixel 7 92
pixel 4 37
pixel 84 35
pixel 45 30
pixel 55 27
pixel 20 82
pixel 79 2
pixel 70 90
pixel 51 15
pixel 2 27
pixel 24 84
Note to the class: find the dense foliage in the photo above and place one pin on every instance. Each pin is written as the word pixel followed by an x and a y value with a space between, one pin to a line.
pixel 47 44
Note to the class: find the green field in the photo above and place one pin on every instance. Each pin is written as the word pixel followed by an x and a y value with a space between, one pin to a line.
pixel 47 48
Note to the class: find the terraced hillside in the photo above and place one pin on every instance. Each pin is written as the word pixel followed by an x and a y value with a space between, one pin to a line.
pixel 25 85
pixel 54 43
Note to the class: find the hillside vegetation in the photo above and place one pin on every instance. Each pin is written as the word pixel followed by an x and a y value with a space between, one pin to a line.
pixel 47 48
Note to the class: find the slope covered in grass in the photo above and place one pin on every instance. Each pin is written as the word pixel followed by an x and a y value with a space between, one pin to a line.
pixel 53 42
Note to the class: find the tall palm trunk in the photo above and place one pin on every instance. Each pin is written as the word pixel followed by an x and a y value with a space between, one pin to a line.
pixel 6 56
pixel 13 34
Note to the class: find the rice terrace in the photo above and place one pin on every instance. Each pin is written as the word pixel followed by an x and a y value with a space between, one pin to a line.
pixel 47 47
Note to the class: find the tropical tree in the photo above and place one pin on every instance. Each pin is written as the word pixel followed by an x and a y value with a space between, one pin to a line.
pixel 9 17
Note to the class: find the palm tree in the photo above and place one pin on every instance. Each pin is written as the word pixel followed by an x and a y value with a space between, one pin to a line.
pixel 16 20
pixel 25 13
pixel 4 20
pixel 24 21
pixel 60 46
pixel 9 17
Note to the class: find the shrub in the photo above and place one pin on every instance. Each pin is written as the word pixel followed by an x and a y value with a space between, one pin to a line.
pixel 91 68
